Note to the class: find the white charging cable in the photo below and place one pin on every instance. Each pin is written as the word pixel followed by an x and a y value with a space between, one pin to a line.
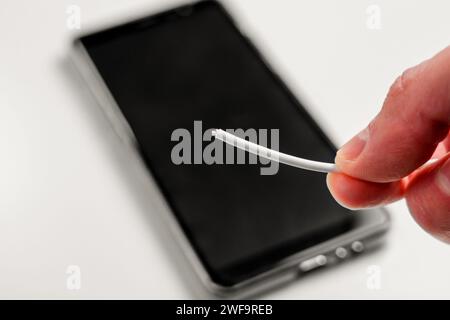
pixel 270 154
pixel 277 156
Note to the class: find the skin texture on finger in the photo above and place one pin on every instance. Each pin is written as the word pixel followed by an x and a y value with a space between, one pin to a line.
pixel 415 117
pixel 442 148
pixel 446 142
pixel 428 199
pixel 354 193
pixel 440 151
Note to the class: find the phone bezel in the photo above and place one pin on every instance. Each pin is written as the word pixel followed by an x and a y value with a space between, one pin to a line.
pixel 287 268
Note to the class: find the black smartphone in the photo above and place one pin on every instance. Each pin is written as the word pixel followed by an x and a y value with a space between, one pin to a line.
pixel 191 68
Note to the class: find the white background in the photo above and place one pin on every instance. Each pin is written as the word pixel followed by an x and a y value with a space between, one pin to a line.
pixel 68 196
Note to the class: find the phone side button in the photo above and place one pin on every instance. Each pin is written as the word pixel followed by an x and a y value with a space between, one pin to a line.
pixel 313 263
pixel 357 246
pixel 341 253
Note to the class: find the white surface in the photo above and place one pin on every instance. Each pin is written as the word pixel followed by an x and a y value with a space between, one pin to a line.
pixel 68 198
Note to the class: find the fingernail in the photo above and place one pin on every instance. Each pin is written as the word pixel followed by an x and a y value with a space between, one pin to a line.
pixel 352 149
pixel 443 178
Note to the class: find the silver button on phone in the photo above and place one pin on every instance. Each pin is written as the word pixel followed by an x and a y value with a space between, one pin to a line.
pixel 357 246
pixel 313 263
pixel 341 253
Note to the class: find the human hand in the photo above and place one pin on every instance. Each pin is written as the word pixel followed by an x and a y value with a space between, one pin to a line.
pixel 383 163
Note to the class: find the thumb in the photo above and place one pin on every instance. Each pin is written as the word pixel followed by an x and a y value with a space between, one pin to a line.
pixel 415 117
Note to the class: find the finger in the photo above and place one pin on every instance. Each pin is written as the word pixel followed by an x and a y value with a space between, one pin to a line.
pixel 415 117
pixel 428 198
pixel 446 142
pixel 442 149
pixel 355 194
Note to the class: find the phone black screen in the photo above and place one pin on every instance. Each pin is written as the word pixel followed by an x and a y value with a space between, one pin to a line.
pixel 181 66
